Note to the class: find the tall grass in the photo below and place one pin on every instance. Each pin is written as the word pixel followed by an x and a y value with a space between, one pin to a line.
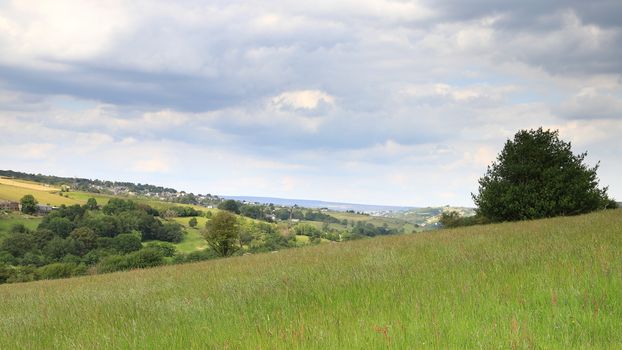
pixel 553 283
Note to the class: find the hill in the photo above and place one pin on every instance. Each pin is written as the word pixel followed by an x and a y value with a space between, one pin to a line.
pixel 309 203
pixel 429 216
pixel 551 283
pixel 332 224
pixel 106 187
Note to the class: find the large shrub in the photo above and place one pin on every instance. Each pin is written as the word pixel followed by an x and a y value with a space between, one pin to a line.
pixel 536 175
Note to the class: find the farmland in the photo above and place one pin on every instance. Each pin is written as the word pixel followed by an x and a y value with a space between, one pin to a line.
pixel 14 190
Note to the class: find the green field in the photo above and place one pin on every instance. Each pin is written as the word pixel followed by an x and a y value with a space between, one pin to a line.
pixel 553 283
pixel 193 239
pixel 393 223
pixel 7 220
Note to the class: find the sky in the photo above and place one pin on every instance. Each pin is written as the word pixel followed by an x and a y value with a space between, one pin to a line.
pixel 361 101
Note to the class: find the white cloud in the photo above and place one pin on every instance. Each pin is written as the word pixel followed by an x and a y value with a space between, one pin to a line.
pixel 152 166
pixel 30 150
pixel 302 99
pixel 35 32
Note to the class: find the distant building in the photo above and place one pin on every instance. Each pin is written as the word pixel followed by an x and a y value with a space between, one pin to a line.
pixel 44 209
pixel 9 206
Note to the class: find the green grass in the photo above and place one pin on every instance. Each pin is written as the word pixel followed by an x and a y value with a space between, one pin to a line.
pixel 302 239
pixel 7 220
pixel 82 197
pixel 102 199
pixel 193 239
pixel 553 283
pixel 379 221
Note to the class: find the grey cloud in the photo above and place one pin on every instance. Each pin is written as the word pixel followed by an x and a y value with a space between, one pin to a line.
pixel 218 66
pixel 604 13
pixel 591 104
pixel 542 33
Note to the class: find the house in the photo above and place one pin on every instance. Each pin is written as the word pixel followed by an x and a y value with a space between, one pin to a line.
pixel 9 205
pixel 44 209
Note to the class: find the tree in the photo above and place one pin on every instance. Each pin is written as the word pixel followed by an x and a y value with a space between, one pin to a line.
pixel 117 205
pixel 536 175
pixel 170 232
pixel 193 222
pixel 59 225
pixel 29 204
pixel 222 233
pixel 230 205
pixel 251 211
pixel 85 235
pixel 91 204
pixel 307 230
pixel 127 242
pixel 17 244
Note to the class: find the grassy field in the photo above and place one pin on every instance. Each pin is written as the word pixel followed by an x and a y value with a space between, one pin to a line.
pixel 393 223
pixel 553 283
pixel 28 184
pixel 15 193
pixel 7 220
pixel 193 240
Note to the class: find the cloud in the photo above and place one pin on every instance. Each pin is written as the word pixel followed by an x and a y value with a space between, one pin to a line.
pixel 30 150
pixel 302 99
pixel 399 101
pixel 590 103
pixel 151 166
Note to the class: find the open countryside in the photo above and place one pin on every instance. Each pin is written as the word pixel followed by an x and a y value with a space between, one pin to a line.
pixel 546 283
pixel 373 174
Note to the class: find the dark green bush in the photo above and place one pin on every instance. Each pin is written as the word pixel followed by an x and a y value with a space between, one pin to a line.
pixel 147 257
pixel 167 249
pixel 112 263
pixel 59 270
pixel 126 243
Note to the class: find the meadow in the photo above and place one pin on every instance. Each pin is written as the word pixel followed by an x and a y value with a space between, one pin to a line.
pixel 14 190
pixel 8 220
pixel 554 283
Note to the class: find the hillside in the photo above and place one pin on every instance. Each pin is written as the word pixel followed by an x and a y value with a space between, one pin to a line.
pixel 552 283
pixel 308 203
pixel 427 216
pixel 45 193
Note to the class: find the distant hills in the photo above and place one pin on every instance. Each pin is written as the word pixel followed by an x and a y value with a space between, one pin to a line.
pixel 418 215
pixel 309 203
pixel 414 215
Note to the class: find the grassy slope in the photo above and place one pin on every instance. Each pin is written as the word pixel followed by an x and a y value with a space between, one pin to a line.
pixel 549 283
pixel 392 223
pixel 15 193
pixel 193 240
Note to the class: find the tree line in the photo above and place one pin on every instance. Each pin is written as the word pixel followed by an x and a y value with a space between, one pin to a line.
pixel 73 239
